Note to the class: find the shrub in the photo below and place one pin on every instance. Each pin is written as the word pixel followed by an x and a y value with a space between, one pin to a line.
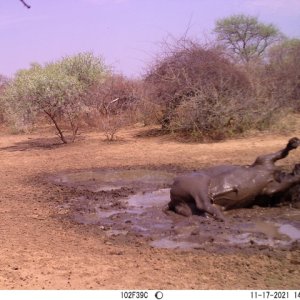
pixel 112 104
pixel 3 83
pixel 283 69
pixel 201 91
pixel 56 90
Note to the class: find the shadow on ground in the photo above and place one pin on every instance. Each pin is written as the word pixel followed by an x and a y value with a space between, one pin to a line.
pixel 34 144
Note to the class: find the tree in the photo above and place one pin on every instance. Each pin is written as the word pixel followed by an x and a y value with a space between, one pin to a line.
pixel 112 95
pixel 3 84
pixel 57 90
pixel 284 70
pixel 85 67
pixel 245 37
pixel 112 102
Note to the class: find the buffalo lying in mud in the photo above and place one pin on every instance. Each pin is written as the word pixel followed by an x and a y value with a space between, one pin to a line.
pixel 231 186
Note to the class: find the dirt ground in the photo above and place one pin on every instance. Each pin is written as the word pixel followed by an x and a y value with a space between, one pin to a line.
pixel 44 247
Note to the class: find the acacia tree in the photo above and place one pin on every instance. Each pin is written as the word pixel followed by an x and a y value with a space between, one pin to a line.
pixel 56 90
pixel 245 37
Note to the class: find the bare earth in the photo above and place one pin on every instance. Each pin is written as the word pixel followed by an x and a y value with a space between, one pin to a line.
pixel 42 247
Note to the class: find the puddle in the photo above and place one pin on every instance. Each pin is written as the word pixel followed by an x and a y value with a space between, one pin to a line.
pixel 171 244
pixel 139 212
pixel 277 230
pixel 103 214
pixel 115 232
pixel 150 199
pixel 109 180
pixel 243 238
pixel 291 231
pixel 268 233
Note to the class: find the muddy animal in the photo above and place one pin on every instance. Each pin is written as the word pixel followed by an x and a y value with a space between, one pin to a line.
pixel 224 187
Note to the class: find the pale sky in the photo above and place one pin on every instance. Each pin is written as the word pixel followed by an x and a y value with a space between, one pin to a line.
pixel 126 33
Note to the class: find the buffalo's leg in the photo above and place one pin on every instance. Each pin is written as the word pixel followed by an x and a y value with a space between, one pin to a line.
pixel 270 159
pixel 195 203
pixel 183 209
pixel 203 202
pixel 189 195
pixel 179 205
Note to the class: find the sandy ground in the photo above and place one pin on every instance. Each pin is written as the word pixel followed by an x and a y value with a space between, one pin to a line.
pixel 41 248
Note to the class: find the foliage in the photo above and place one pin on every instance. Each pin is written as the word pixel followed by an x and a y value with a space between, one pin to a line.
pixel 111 104
pixel 200 90
pixel 191 88
pixel 203 94
pixel 56 90
pixel 3 83
pixel 113 94
pixel 85 67
pixel 245 37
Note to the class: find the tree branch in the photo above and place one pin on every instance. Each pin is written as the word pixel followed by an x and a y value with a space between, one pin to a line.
pixel 25 4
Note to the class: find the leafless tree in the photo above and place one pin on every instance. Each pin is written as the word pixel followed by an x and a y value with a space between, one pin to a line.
pixel 111 104
pixel 112 95
pixel 187 69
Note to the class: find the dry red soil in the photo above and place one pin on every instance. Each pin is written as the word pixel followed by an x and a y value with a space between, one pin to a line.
pixel 43 248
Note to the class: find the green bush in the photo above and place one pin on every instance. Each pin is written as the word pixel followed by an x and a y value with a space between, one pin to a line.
pixel 56 90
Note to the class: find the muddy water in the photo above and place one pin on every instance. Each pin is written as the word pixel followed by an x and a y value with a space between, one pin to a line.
pixel 108 180
pixel 131 202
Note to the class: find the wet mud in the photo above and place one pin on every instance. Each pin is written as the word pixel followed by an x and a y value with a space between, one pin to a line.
pixel 129 203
